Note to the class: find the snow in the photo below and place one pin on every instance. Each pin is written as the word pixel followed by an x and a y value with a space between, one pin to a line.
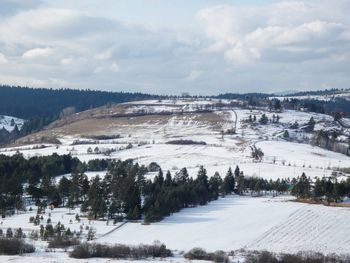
pixel 62 215
pixel 62 257
pixel 149 139
pixel 302 154
pixel 229 223
pixel 233 223
pixel 328 97
pixel 5 122
pixel 315 227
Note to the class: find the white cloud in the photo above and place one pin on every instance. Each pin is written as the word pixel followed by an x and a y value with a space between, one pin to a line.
pixel 112 68
pixel 38 53
pixel 104 55
pixel 3 59
pixel 246 34
pixel 242 48
pixel 194 75
pixel 66 61
pixel 9 7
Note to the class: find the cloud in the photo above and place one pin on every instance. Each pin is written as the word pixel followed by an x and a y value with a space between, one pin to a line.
pixel 8 7
pixel 113 68
pixel 245 48
pixel 3 59
pixel 194 75
pixel 248 34
pixel 66 61
pixel 48 24
pixel 38 53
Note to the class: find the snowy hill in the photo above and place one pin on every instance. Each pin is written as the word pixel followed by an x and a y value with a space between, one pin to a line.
pixel 153 131
pixel 217 134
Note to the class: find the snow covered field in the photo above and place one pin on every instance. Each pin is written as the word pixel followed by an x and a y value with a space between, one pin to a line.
pixel 62 215
pixel 233 223
pixel 230 223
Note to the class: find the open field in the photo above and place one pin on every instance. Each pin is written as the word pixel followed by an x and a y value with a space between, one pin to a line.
pixel 233 223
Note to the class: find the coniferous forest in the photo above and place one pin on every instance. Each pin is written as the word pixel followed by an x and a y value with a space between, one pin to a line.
pixel 28 103
pixel 125 192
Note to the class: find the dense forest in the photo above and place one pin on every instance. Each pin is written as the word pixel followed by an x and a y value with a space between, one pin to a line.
pixel 318 92
pixel 234 96
pixel 27 103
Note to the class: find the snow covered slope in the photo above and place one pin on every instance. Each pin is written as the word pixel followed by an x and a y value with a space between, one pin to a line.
pixel 148 126
pixel 251 223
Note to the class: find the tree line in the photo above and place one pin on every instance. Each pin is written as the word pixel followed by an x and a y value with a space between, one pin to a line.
pixel 328 189
pixel 127 192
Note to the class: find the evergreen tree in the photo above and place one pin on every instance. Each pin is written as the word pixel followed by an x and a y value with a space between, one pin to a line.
pixel 237 171
pixel 263 120
pixel 215 186
pixel 302 187
pixel 202 186
pixel 229 182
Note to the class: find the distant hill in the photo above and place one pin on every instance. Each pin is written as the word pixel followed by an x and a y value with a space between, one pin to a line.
pixel 42 106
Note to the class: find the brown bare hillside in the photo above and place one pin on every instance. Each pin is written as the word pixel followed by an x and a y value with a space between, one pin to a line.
pixel 126 119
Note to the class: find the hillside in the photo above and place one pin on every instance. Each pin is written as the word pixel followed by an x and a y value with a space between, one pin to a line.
pixel 189 133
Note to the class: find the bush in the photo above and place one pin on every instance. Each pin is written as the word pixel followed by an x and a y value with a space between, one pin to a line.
pixel 63 242
pixel 103 137
pixel 82 251
pixel 200 254
pixel 186 142
pixel 119 251
pixel 302 257
pixel 261 257
pixel 14 246
pixel 196 253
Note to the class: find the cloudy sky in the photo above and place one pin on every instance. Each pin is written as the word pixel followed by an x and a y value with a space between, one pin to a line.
pixel 170 47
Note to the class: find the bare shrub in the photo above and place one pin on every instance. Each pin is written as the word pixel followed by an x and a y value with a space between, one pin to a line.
pixel 63 242
pixel 118 251
pixel 14 246
pixel 200 254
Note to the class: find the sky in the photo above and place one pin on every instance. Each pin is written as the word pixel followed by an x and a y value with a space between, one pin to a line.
pixel 201 47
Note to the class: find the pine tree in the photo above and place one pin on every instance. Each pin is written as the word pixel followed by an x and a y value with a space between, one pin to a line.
pixel 229 182
pixel 302 187
pixel 215 185
pixel 237 171
pixel 168 180
pixel 202 186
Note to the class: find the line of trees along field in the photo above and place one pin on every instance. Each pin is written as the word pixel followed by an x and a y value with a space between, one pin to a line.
pixel 125 192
